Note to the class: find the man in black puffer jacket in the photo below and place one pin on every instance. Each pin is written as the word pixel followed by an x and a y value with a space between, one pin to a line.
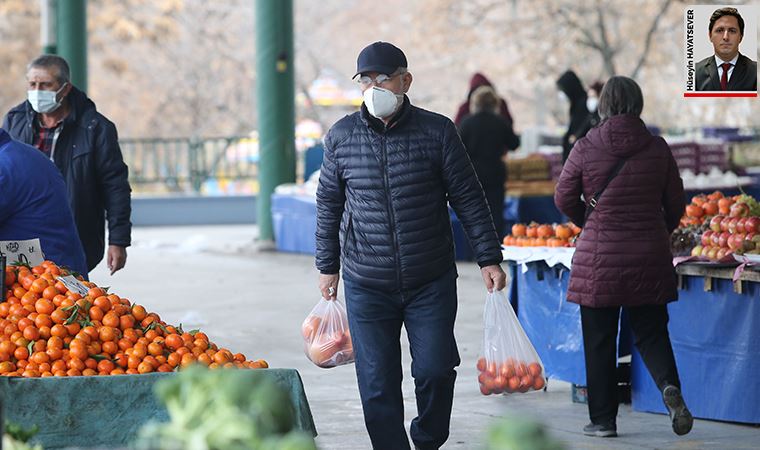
pixel 388 173
pixel 63 124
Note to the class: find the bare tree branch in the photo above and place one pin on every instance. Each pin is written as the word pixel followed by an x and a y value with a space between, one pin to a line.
pixel 650 34
pixel 608 53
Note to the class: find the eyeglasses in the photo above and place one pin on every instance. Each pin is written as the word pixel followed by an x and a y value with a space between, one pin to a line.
pixel 366 80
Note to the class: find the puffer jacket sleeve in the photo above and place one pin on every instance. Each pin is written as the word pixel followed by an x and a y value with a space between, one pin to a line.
pixel 673 198
pixel 468 200
pixel 331 199
pixel 567 194
pixel 113 175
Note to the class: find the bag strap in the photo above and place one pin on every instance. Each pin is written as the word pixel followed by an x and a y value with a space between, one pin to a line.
pixel 591 205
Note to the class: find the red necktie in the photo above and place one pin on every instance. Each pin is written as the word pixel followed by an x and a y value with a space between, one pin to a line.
pixel 724 77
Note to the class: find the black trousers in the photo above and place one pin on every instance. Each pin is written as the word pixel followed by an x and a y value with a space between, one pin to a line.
pixel 600 328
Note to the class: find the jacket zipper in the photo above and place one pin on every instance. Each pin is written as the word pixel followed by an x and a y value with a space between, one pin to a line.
pixel 390 214
pixel 349 228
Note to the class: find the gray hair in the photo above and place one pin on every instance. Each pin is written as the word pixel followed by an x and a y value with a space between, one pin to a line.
pixel 620 95
pixel 62 72
pixel 484 98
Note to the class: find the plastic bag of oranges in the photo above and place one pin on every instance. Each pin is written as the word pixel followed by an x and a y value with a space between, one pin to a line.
pixel 509 363
pixel 327 341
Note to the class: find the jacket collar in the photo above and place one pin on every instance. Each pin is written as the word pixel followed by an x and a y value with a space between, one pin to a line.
pixel 377 125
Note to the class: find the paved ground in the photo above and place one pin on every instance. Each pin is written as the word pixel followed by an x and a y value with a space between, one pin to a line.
pixel 255 301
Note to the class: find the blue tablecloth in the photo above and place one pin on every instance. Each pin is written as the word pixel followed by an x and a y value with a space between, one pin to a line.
pixel 534 208
pixel 715 337
pixel 716 341
pixel 553 324
pixel 294 222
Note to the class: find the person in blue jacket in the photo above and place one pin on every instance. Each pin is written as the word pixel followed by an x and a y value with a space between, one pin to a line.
pixel 33 204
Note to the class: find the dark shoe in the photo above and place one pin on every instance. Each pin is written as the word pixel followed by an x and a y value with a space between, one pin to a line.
pixel 600 430
pixel 680 416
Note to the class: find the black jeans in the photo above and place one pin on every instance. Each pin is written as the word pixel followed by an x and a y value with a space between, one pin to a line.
pixel 375 320
pixel 600 328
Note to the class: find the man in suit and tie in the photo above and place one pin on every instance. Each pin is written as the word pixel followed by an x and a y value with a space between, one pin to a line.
pixel 727 69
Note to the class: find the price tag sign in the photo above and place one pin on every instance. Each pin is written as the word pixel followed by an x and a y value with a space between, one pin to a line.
pixel 22 252
pixel 73 285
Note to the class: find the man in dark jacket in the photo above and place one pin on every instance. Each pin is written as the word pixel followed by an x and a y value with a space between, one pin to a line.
pixel 727 69
pixel 388 173
pixel 63 123
pixel 580 118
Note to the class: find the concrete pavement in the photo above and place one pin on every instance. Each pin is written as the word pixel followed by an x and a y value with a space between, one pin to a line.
pixel 211 277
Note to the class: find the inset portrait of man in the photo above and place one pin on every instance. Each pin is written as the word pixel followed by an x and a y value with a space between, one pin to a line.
pixel 727 69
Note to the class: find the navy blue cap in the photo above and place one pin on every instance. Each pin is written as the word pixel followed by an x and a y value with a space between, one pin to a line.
pixel 381 57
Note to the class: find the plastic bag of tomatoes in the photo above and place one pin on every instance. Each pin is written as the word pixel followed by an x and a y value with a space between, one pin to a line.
pixel 327 341
pixel 508 363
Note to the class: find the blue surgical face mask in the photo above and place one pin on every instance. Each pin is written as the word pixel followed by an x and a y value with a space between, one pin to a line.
pixel 45 101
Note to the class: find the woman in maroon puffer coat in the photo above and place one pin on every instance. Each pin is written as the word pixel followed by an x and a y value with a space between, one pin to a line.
pixel 623 258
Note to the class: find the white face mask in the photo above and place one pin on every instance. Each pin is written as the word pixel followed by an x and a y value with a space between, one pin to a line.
pixel 380 102
pixel 44 101
pixel 592 103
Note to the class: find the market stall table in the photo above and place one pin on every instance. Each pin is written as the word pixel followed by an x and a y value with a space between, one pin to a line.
pixel 715 334
pixel 551 322
pixel 294 222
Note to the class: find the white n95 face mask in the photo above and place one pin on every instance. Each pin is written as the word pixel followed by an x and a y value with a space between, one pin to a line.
pixel 44 101
pixel 380 102
pixel 592 103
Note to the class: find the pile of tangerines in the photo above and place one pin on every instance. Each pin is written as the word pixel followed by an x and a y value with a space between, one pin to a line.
pixel 542 235
pixel 47 330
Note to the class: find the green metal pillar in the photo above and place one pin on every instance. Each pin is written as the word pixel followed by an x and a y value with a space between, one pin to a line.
pixel 275 91
pixel 72 38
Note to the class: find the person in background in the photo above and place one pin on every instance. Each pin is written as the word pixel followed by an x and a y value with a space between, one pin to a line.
pixel 388 175
pixel 487 136
pixel 64 125
pixel 623 257
pixel 571 87
pixel 477 81
pixel 33 204
pixel 592 102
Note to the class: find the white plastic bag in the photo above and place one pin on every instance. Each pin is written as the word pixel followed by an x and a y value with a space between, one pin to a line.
pixel 508 363
pixel 327 341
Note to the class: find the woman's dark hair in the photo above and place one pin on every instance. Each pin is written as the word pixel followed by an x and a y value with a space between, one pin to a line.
pixel 620 95
pixel 718 13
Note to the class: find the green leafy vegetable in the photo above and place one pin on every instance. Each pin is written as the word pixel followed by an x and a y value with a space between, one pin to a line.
pixel 224 409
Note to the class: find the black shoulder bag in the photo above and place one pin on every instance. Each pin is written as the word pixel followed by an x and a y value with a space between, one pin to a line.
pixel 595 199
